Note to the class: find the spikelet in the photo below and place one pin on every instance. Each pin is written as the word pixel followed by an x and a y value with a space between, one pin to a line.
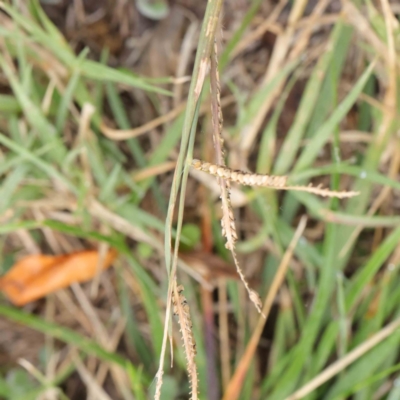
pixel 228 221
pixel 244 178
pixel 182 312
pixel 271 181
pixel 216 109
pixel 321 191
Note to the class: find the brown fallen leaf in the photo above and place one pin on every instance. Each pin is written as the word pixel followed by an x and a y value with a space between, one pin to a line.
pixel 37 275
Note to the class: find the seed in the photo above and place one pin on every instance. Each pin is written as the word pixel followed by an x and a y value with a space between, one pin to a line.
pixel 196 163
pixel 228 246
pixel 282 181
pixel 220 171
pixel 252 179
pixel 205 166
pixel 259 180
pixel 227 173
pixel 213 169
pixel 246 179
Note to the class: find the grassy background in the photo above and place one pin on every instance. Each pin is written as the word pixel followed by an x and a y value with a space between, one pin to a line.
pixel 308 91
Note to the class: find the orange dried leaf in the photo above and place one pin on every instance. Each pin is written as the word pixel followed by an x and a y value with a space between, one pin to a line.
pixel 37 275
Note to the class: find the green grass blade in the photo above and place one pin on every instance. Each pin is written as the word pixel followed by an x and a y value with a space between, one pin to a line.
pixel 61 333
pixel 310 153
pixel 44 166
pixel 366 274
pixel 306 108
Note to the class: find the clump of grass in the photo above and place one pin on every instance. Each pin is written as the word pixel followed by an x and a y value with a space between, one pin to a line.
pixel 202 61
pixel 69 181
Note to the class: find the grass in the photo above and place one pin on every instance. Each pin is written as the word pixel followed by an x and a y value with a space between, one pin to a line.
pixel 323 109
